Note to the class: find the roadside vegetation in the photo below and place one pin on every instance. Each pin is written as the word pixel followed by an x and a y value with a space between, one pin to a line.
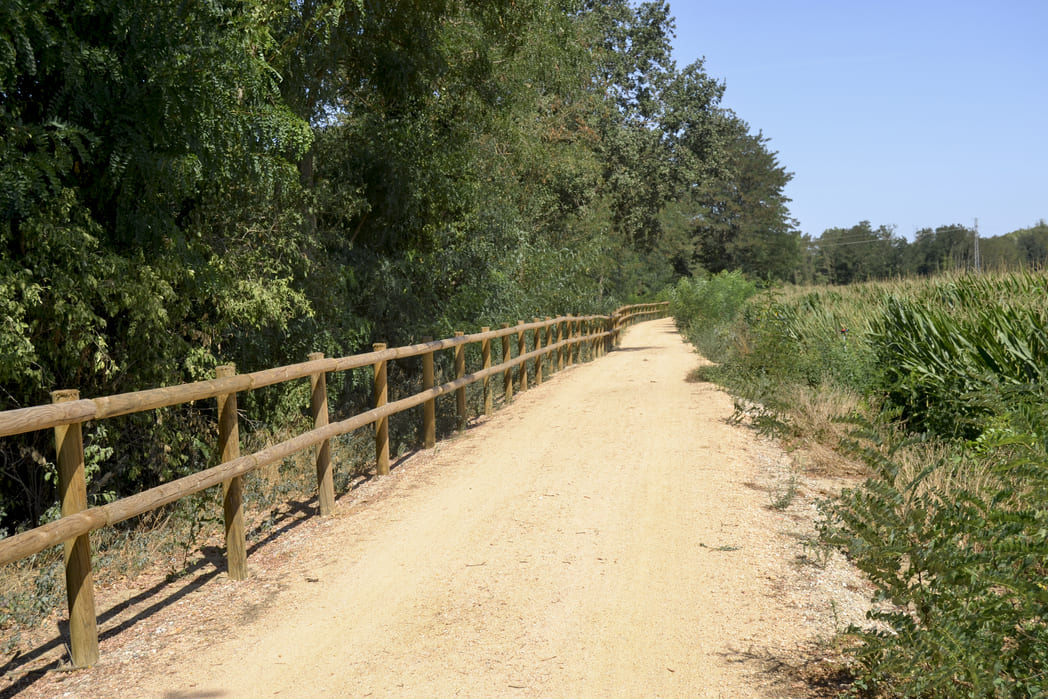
pixel 938 386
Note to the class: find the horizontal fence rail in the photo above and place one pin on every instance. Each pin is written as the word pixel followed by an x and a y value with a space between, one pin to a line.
pixel 557 342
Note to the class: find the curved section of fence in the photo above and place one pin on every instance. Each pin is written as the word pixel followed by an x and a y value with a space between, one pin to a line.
pixel 557 342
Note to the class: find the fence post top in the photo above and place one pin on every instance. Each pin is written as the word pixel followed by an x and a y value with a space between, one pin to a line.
pixel 65 395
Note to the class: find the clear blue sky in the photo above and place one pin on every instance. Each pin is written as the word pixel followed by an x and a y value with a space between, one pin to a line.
pixel 914 114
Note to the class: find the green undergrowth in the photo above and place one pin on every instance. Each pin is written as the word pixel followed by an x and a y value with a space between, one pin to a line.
pixel 939 388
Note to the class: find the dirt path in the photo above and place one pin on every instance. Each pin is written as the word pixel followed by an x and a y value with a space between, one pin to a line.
pixel 609 534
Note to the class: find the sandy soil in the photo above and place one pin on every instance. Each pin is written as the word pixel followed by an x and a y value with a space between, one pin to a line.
pixel 608 534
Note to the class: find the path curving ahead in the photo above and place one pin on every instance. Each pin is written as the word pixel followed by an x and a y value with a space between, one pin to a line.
pixel 609 534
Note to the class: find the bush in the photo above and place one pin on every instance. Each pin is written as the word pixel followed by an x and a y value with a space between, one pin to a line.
pixel 706 310
pixel 962 568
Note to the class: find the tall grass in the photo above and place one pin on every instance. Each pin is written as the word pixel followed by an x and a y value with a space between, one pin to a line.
pixel 946 379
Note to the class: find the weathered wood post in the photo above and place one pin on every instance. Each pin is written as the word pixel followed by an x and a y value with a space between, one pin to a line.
pixel 560 349
pixel 382 425
pixel 485 354
pixel 72 491
pixel 429 408
pixel 576 335
pixel 233 489
pixel 522 372
pixel 583 340
pixel 460 371
pixel 507 375
pixel 538 358
pixel 549 341
pixel 571 340
pixel 318 407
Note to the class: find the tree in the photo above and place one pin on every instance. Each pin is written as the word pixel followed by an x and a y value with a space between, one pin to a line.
pixel 744 222
pixel 189 182
pixel 946 248
pixel 144 167
pixel 859 253
pixel 657 136
pixel 1033 244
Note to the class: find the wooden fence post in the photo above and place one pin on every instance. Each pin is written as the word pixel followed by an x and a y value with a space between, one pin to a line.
pixel 571 338
pixel 576 347
pixel 460 371
pixel 233 489
pixel 382 425
pixel 538 358
pixel 72 491
pixel 549 341
pixel 586 347
pixel 560 350
pixel 429 408
pixel 583 340
pixel 485 353
pixel 507 375
pixel 318 406
pixel 522 372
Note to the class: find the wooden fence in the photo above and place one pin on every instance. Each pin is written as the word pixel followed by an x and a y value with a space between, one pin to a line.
pixel 557 342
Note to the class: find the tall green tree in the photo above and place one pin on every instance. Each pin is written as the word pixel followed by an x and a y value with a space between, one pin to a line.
pixel 943 249
pixel 744 222
pixel 657 133
pixel 144 166
pixel 859 253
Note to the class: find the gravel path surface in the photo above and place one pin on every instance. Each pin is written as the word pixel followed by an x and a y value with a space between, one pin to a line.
pixel 608 534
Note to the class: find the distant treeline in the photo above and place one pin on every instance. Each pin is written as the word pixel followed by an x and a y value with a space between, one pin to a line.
pixel 862 253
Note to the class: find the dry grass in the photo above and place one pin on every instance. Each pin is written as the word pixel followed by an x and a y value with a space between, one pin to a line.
pixel 951 473
pixel 817 428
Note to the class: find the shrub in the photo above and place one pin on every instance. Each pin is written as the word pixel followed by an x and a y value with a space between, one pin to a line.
pixel 706 310
pixel 962 569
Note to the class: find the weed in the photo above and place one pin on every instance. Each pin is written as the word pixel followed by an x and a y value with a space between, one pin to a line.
pixel 784 495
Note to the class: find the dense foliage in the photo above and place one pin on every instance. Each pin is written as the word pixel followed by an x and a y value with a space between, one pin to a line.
pixel 951 525
pixel 184 184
